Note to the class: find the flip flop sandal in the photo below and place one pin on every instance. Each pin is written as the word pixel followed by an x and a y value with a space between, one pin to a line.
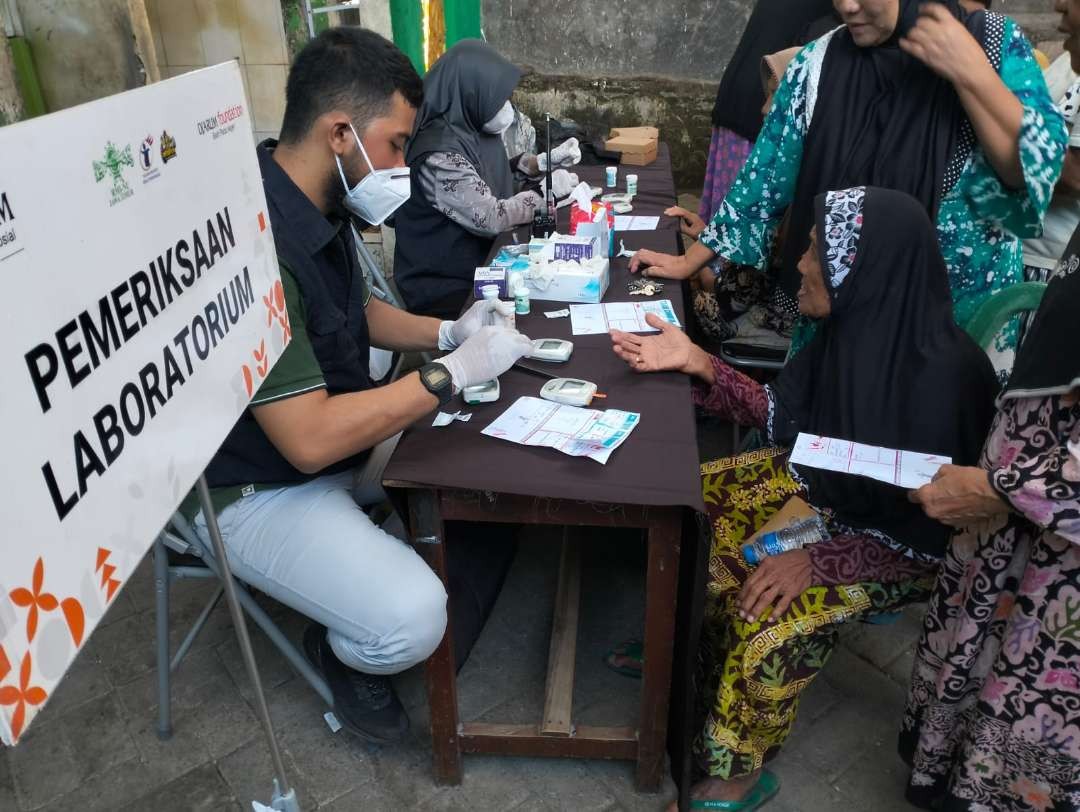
pixel 766 787
pixel 630 650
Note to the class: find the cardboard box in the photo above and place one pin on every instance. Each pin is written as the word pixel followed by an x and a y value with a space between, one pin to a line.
pixel 489 276
pixel 638 145
pixel 636 132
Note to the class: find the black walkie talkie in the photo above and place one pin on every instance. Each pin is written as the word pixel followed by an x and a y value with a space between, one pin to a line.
pixel 544 221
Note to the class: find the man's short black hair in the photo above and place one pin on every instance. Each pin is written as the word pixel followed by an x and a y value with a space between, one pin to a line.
pixel 351 69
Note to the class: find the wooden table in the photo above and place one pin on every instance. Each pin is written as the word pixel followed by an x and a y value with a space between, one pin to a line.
pixel 564 491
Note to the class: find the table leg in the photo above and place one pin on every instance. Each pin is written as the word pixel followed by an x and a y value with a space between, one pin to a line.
pixel 429 539
pixel 661 591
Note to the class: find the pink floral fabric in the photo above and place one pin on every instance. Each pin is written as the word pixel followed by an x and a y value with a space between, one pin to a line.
pixel 993 715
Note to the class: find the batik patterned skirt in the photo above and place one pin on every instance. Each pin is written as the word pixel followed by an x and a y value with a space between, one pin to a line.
pixel 993 716
pixel 752 674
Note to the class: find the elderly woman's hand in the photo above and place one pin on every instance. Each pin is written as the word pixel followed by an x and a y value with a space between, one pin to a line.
pixel 776 582
pixel 959 496
pixel 664 266
pixel 943 44
pixel 672 349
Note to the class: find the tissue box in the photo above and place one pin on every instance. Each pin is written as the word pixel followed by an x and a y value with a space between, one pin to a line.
pixel 638 145
pixel 489 276
pixel 575 282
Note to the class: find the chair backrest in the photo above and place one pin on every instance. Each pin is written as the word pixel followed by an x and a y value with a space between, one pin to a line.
pixel 996 311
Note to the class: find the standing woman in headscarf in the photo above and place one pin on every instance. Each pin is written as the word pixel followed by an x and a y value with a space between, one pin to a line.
pixel 927 98
pixel 888 367
pixel 736 116
pixel 462 181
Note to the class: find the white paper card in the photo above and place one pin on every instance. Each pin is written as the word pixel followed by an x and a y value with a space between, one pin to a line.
pixel 445 418
pixel 593 319
pixel 908 469
pixel 635 222
pixel 572 430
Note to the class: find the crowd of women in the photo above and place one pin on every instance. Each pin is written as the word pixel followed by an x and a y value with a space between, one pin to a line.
pixel 897 179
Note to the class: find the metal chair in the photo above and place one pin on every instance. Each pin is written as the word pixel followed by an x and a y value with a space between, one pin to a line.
pixel 191 558
pixel 996 311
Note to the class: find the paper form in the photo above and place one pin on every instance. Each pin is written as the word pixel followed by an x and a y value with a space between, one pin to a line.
pixel 634 222
pixel 572 430
pixel 592 319
pixel 908 469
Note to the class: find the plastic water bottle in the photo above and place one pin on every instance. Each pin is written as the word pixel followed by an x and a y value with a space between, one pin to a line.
pixel 792 537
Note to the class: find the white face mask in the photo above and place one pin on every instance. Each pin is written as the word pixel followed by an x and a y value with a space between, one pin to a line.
pixel 380 192
pixel 501 120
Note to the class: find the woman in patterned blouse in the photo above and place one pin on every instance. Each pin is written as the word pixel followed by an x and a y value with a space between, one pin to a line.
pixel 947 105
pixel 888 367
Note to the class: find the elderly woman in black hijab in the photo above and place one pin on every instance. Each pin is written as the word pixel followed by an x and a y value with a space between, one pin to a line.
pixel 462 181
pixel 888 367
pixel 927 98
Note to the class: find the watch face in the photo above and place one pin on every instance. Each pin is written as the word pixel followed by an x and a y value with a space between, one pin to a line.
pixel 436 375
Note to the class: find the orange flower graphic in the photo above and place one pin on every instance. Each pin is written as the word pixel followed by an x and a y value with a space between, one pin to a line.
pixel 20 697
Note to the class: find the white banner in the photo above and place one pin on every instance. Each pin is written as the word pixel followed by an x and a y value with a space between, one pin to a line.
pixel 141 309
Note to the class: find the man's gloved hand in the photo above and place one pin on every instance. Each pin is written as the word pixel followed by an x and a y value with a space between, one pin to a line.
pixel 452 334
pixel 562 183
pixel 486 354
pixel 566 154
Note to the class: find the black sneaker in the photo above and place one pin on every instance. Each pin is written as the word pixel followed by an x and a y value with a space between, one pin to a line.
pixel 365 704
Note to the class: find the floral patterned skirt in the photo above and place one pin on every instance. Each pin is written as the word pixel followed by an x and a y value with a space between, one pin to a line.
pixel 993 714
pixel 751 675
pixel 727 154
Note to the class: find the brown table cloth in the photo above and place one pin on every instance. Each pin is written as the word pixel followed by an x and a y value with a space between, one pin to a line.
pixel 658 462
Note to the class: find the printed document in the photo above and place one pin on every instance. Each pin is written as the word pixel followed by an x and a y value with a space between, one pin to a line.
pixel 592 319
pixel 908 469
pixel 634 222
pixel 572 430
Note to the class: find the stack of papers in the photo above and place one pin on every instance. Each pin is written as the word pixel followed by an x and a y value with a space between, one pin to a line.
pixel 592 319
pixel 572 430
pixel 908 469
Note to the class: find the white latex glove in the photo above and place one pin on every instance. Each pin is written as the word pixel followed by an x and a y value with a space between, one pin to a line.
pixel 505 315
pixel 452 334
pixel 562 183
pixel 566 154
pixel 486 354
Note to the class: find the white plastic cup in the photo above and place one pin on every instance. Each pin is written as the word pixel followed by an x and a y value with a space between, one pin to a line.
pixel 631 185
pixel 611 175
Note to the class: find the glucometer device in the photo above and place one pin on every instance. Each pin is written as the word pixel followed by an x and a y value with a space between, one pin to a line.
pixel 569 391
pixel 486 392
pixel 551 349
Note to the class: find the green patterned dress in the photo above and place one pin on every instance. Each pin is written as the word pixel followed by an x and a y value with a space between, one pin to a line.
pixel 980 221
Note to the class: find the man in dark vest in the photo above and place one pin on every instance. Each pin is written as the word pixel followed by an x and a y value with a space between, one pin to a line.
pixel 288 478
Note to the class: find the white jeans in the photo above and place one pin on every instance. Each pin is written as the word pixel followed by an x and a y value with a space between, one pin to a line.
pixel 310 547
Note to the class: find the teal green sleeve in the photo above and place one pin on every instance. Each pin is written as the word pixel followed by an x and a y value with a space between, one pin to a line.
pixel 1042 143
pixel 745 225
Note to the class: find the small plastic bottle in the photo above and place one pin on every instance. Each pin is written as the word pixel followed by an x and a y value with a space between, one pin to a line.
pixel 490 294
pixel 792 537
pixel 521 301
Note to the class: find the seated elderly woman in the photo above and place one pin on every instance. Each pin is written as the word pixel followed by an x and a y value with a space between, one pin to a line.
pixel 888 366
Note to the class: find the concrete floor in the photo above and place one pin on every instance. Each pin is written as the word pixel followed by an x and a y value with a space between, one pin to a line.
pixel 94 746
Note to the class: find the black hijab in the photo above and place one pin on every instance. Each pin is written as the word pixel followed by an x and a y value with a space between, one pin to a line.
pixel 773 26
pixel 1048 362
pixel 882 118
pixel 463 91
pixel 888 367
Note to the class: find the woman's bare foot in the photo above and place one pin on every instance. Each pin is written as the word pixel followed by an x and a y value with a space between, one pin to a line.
pixel 720 789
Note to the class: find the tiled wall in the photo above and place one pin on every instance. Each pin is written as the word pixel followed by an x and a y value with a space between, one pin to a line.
pixel 190 34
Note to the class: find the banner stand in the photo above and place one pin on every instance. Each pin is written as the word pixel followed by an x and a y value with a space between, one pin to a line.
pixel 284 796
